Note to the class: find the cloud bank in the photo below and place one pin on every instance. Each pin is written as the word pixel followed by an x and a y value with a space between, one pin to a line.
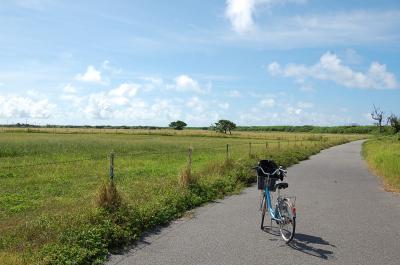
pixel 330 68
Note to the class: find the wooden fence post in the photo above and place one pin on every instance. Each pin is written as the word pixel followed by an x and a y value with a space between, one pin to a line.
pixel 112 155
pixel 190 158
pixel 266 145
pixel 279 145
pixel 227 151
pixel 249 149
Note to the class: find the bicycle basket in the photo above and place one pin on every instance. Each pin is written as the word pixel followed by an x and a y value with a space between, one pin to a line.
pixel 269 166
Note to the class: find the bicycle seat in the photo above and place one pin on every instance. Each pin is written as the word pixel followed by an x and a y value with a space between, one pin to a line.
pixel 281 185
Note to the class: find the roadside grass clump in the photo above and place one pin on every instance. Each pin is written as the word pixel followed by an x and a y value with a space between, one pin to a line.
pixel 186 177
pixel 383 157
pixel 108 197
pixel 68 214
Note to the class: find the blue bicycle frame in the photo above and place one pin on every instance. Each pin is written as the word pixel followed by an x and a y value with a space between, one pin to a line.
pixel 272 212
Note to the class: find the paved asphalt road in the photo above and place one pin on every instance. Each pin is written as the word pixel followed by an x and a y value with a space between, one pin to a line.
pixel 343 217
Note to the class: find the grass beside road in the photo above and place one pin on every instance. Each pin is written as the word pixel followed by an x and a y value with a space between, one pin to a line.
pixel 49 212
pixel 383 157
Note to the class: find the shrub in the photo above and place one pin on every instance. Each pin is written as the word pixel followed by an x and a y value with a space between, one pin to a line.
pixel 108 197
pixel 186 178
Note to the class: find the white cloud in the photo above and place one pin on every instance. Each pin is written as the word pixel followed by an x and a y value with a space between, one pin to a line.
pixel 98 107
pixel 70 89
pixel 25 107
pixel 268 102
pixel 321 30
pixel 102 106
pixel 196 104
pixel 106 65
pixel 126 89
pixel 91 75
pixel 224 105
pixel 105 105
pixel 331 68
pixel 166 108
pixel 306 88
pixel 152 83
pixel 352 57
pixel 293 110
pixel 240 12
pixel 274 68
pixel 234 94
pixel 305 105
pixel 70 95
pixel 185 83
pixel 74 99
pixel 291 115
pixel 121 103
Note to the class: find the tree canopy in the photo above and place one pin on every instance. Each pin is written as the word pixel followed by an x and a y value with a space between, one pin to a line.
pixel 177 125
pixel 224 126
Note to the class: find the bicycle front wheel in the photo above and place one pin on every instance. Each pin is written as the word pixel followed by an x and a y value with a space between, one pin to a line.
pixel 287 225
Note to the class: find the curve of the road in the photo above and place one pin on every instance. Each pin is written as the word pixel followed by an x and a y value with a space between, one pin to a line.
pixel 343 217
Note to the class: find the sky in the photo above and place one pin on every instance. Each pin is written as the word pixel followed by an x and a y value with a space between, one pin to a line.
pixel 254 62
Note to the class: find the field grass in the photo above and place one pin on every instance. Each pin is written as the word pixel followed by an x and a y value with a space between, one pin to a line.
pixel 50 183
pixel 383 157
pixel 247 132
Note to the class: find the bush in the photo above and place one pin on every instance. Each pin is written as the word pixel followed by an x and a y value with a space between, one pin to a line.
pixel 186 178
pixel 108 197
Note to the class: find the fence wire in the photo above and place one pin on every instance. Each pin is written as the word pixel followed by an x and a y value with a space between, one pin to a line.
pixel 130 154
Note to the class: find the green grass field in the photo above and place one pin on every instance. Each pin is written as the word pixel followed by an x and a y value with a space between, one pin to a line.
pixel 383 157
pixel 50 182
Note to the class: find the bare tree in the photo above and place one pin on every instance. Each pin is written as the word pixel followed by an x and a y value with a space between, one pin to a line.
pixel 377 115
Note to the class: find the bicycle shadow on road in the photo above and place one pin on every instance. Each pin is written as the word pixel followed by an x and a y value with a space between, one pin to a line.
pixel 273 230
pixel 306 244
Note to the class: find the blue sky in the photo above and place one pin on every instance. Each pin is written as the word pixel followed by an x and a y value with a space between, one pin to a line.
pixel 255 62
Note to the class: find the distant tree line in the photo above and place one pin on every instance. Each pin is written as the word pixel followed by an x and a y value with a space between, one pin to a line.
pixel 389 125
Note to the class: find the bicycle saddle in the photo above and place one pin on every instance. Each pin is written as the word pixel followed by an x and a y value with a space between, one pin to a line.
pixel 281 185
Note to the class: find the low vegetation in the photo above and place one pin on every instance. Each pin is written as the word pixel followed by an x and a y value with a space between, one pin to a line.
pixel 350 129
pixel 383 157
pixel 57 205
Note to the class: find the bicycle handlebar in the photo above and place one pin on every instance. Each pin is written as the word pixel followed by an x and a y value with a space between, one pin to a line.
pixel 280 170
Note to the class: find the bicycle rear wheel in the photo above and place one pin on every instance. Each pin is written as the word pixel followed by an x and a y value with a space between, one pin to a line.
pixel 263 211
pixel 287 225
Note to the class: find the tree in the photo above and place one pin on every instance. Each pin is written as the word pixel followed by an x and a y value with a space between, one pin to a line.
pixel 394 121
pixel 377 115
pixel 177 125
pixel 224 126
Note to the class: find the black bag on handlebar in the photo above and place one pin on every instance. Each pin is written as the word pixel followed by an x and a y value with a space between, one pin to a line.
pixel 269 166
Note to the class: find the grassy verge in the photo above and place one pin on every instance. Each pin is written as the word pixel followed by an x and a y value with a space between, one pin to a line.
pixel 383 157
pixel 69 214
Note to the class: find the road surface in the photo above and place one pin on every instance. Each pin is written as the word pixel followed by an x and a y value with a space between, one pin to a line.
pixel 343 217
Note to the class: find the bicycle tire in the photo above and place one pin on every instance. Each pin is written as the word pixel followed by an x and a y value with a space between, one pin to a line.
pixel 287 226
pixel 263 211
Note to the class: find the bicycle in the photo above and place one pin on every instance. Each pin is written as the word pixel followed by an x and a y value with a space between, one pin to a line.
pixel 284 212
